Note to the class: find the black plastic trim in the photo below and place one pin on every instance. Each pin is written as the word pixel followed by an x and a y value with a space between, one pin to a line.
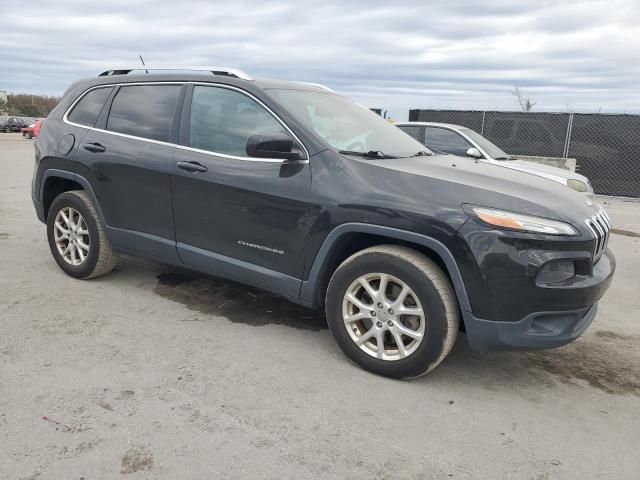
pixel 487 335
pixel 309 286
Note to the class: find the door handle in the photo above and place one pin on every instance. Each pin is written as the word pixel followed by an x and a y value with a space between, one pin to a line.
pixel 95 147
pixel 192 167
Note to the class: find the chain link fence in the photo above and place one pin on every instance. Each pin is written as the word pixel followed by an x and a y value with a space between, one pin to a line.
pixel 606 147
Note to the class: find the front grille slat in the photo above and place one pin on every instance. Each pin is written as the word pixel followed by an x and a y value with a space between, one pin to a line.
pixel 600 225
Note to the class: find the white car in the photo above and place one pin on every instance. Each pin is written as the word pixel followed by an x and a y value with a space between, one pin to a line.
pixel 462 141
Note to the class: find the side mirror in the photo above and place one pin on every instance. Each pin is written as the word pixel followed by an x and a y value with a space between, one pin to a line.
pixel 474 153
pixel 273 145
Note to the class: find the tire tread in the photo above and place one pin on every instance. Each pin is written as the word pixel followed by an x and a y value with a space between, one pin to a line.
pixel 107 258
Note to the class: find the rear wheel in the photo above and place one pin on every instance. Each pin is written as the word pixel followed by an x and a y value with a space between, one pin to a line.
pixel 77 238
pixel 392 311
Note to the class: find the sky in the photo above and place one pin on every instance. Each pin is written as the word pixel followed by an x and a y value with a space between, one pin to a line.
pixel 564 55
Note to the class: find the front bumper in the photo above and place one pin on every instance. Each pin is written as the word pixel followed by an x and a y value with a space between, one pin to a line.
pixel 546 328
pixel 510 308
pixel 539 330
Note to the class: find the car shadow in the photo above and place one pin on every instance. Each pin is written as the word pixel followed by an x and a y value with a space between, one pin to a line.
pixel 604 360
pixel 236 302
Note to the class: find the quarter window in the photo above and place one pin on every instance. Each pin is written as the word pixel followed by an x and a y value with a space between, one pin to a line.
pixel 222 120
pixel 446 141
pixel 88 108
pixel 144 111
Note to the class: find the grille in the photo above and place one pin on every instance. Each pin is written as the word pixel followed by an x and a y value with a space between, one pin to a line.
pixel 600 225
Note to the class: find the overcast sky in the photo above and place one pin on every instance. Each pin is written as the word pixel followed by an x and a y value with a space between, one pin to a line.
pixel 583 55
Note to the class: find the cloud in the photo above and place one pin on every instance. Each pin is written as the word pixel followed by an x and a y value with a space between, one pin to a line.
pixel 397 55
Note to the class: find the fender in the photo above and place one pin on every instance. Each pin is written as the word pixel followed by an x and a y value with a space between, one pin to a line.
pixel 54 172
pixel 309 286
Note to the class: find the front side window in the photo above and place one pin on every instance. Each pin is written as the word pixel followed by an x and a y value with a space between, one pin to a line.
pixel 413 131
pixel 492 149
pixel 446 141
pixel 88 108
pixel 144 111
pixel 345 125
pixel 222 120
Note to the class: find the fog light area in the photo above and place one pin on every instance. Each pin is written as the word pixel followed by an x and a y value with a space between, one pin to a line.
pixel 555 272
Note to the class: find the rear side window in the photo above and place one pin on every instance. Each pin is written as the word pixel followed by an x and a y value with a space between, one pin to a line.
pixel 222 120
pixel 144 111
pixel 88 108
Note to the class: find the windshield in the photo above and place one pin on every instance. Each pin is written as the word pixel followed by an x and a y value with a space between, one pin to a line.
pixel 492 150
pixel 347 126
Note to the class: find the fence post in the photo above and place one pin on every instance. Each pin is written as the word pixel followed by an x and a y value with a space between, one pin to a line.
pixel 567 139
pixel 482 128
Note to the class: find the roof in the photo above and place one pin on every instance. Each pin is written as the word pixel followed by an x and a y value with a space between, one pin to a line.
pixel 429 124
pixel 222 75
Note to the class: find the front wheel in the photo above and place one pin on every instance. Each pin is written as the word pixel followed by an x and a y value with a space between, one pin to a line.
pixel 77 237
pixel 392 311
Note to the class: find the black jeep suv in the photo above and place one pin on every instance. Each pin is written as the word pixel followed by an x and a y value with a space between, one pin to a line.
pixel 290 187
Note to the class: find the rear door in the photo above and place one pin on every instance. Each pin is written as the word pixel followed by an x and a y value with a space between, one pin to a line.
pixel 127 158
pixel 240 217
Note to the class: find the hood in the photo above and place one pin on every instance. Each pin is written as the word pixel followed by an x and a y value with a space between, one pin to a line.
pixel 457 180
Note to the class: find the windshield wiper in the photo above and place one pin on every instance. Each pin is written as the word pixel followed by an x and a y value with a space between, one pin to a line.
pixel 422 153
pixel 369 154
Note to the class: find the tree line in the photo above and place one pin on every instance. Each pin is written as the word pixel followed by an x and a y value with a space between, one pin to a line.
pixel 27 105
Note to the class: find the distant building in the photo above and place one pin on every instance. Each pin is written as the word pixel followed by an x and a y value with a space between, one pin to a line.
pixel 3 102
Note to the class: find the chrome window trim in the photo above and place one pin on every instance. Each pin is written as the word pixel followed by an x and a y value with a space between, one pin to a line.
pixel 65 119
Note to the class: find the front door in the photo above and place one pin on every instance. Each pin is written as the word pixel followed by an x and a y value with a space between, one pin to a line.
pixel 239 217
pixel 448 141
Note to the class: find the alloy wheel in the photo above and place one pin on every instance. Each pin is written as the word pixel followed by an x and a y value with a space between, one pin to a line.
pixel 71 236
pixel 383 316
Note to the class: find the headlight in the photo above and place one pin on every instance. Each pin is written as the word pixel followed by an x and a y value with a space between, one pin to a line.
pixel 578 185
pixel 521 222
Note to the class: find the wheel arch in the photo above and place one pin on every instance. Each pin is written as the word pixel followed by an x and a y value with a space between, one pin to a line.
pixel 346 239
pixel 55 181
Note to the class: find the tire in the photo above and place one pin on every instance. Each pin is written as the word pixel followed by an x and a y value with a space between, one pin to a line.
pixel 99 258
pixel 431 293
pixel 7 130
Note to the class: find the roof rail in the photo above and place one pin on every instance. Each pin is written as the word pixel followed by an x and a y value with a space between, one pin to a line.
pixel 224 71
pixel 319 85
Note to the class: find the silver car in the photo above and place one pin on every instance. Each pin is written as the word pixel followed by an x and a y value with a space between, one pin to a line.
pixel 463 141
